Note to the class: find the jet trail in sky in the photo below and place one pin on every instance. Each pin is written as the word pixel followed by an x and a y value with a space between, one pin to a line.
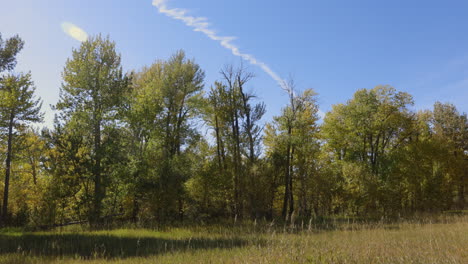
pixel 202 25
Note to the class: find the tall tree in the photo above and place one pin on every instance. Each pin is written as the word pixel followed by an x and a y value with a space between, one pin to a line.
pixel 164 101
pixel 90 98
pixel 234 117
pixel 8 50
pixel 292 140
pixel 18 106
pixel 305 138
pixel 233 104
pixel 181 94
pixel 421 176
pixel 452 127
pixel 364 133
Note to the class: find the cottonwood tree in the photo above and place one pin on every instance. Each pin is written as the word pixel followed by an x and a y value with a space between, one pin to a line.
pixel 142 117
pixel 18 107
pixel 165 99
pixel 420 171
pixel 292 140
pixel 282 126
pixel 305 138
pixel 90 98
pixel 69 163
pixel 452 127
pixel 364 133
pixel 29 181
pixel 8 50
pixel 234 118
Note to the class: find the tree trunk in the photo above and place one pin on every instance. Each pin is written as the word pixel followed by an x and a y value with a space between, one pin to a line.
pixel 218 142
pixel 291 197
pixel 97 174
pixel 248 123
pixel 286 178
pixel 4 215
pixel 237 171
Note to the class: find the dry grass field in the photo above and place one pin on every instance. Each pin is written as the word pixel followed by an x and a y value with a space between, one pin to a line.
pixel 435 241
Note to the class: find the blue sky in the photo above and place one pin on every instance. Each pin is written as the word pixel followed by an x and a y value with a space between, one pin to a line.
pixel 334 47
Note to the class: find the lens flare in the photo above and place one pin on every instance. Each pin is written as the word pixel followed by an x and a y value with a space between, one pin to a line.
pixel 74 31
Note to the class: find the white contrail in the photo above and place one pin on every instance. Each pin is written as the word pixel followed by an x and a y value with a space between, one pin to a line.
pixel 202 25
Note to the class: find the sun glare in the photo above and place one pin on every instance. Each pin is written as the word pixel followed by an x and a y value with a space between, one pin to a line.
pixel 74 31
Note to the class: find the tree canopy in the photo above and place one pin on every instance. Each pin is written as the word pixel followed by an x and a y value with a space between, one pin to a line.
pixel 158 144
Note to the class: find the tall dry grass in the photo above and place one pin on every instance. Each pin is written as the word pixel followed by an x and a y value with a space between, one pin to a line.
pixel 434 240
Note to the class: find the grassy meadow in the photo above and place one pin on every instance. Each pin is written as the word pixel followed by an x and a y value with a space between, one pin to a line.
pixel 442 240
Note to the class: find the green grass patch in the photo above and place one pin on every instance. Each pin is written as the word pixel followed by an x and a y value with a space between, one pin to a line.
pixel 402 242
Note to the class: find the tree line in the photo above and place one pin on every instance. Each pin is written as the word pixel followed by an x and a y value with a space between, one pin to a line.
pixel 156 145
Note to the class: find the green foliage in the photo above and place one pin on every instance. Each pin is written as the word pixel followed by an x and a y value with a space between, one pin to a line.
pixel 164 100
pixel 18 108
pixel 292 143
pixel 8 50
pixel 18 102
pixel 90 100
pixel 233 117
pixel 152 147
pixel 364 135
